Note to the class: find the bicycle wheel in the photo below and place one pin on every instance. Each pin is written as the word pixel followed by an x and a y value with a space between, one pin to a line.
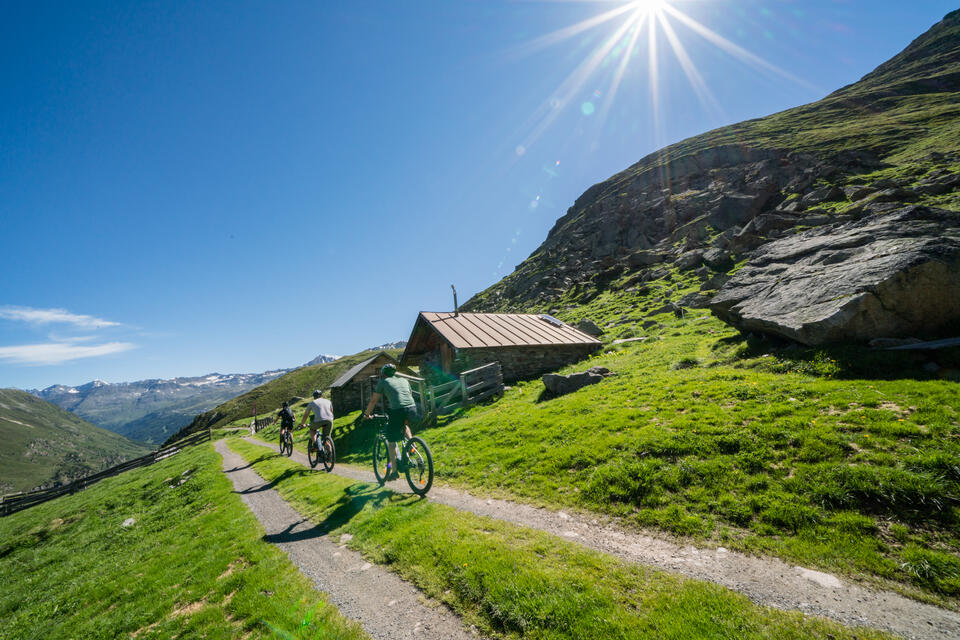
pixel 288 444
pixel 419 465
pixel 313 456
pixel 329 454
pixel 380 459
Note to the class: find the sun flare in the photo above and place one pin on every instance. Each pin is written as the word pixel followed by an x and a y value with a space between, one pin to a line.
pixel 634 28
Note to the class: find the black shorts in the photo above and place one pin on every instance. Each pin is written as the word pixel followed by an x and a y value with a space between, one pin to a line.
pixel 397 419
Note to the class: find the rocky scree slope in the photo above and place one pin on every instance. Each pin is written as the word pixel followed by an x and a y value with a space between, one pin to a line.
pixel 43 445
pixel 714 202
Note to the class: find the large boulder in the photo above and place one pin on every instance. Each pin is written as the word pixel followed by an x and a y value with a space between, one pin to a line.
pixel 887 275
pixel 590 327
pixel 559 385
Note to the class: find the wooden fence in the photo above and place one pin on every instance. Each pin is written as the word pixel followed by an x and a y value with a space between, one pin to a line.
pixel 262 423
pixel 19 501
pixel 470 387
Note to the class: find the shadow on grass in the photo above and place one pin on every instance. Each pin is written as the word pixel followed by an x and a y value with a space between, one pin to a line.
pixel 546 395
pixel 846 361
pixel 354 499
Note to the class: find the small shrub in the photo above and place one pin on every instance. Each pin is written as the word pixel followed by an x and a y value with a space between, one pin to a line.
pixel 790 516
pixel 686 363
pixel 883 489
pixel 934 569
pixel 735 511
pixel 622 481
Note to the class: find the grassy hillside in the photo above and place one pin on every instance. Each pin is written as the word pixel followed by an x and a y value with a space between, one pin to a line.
pixel 845 458
pixel 43 444
pixel 161 552
pixel 903 110
pixel 512 582
pixel 270 396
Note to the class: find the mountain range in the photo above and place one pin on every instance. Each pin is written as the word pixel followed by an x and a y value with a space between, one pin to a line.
pixel 151 410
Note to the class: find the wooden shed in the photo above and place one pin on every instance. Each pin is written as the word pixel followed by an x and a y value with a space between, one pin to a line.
pixel 346 392
pixel 525 345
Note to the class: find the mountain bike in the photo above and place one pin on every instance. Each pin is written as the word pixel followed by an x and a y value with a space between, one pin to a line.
pixel 325 454
pixel 415 460
pixel 286 442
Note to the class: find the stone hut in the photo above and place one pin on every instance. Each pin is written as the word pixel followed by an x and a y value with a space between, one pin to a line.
pixel 526 345
pixel 346 392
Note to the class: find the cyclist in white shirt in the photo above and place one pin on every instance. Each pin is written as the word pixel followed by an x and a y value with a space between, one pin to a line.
pixel 322 410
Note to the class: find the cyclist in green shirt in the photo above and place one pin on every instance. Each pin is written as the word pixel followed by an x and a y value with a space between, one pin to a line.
pixel 402 410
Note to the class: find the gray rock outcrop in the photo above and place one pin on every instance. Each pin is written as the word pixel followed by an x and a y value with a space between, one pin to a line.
pixel 590 327
pixel 889 275
pixel 560 385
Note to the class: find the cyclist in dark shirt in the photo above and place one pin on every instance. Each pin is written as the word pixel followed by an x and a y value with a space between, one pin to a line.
pixel 286 419
pixel 402 410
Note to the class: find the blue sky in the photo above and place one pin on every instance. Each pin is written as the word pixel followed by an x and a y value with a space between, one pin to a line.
pixel 239 186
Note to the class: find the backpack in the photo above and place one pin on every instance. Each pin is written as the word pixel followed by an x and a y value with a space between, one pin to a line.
pixel 286 418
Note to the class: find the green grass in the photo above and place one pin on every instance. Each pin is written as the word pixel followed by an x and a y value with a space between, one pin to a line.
pixel 46 445
pixel 192 565
pixel 515 582
pixel 847 459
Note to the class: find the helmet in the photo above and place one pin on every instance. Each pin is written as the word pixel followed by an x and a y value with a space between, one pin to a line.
pixel 285 405
pixel 388 370
pixel 317 393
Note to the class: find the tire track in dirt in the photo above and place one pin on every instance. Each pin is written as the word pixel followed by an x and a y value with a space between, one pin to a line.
pixel 766 581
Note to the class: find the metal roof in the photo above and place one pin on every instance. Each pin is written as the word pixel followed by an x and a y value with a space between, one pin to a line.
pixel 357 368
pixel 472 330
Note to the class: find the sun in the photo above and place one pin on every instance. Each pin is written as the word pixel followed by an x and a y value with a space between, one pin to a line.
pixel 655 27
pixel 647 6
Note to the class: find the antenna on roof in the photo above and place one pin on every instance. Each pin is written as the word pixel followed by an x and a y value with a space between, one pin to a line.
pixel 456 309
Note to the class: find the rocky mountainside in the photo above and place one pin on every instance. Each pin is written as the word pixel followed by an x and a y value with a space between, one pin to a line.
pixel 151 410
pixel 42 445
pixel 399 344
pixel 323 358
pixel 842 206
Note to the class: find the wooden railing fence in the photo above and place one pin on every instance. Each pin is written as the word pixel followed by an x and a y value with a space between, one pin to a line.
pixel 262 423
pixel 19 501
pixel 470 387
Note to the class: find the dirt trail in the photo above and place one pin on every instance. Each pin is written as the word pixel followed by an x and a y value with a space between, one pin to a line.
pixel 766 581
pixel 387 607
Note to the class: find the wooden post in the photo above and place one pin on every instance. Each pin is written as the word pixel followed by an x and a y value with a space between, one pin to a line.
pixel 463 390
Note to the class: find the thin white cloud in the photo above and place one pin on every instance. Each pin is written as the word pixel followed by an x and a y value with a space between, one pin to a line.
pixel 54 316
pixel 59 352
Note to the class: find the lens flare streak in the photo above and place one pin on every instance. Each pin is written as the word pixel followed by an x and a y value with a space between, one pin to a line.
pixel 636 17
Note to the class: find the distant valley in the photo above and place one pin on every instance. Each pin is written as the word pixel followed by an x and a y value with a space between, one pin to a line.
pixel 151 410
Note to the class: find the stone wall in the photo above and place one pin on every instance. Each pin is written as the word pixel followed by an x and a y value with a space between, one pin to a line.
pixel 345 399
pixel 524 363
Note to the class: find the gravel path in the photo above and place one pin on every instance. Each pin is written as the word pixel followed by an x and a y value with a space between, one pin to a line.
pixel 766 581
pixel 387 607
